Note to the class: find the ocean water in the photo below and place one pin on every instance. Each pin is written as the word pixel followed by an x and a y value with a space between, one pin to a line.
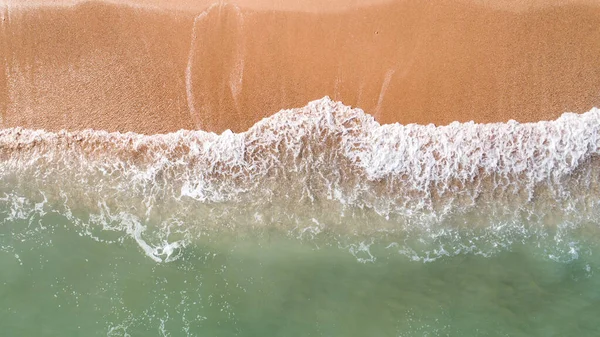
pixel 317 221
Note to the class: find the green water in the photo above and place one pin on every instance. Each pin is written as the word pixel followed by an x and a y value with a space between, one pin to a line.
pixel 56 280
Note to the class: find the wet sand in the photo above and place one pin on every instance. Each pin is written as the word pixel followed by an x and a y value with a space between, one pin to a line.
pixel 147 67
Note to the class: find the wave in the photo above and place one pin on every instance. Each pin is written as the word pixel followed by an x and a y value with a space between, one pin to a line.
pixel 323 167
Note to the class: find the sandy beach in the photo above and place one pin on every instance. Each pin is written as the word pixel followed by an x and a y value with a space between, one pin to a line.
pixel 148 67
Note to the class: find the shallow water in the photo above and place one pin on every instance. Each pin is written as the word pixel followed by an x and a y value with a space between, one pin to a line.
pixel 57 281
pixel 316 222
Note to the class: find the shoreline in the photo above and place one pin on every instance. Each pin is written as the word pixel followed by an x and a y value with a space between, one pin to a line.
pixel 83 133
pixel 118 68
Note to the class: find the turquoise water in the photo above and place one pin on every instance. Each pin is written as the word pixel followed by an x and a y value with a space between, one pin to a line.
pixel 315 222
pixel 57 281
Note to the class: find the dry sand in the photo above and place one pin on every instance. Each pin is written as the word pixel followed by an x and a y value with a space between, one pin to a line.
pixel 145 66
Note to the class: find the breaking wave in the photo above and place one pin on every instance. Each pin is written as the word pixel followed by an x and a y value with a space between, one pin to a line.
pixel 324 168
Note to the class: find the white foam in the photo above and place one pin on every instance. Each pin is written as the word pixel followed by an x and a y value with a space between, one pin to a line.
pixel 325 162
pixel 414 158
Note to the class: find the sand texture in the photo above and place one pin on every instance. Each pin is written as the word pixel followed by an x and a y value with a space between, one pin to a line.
pixel 148 67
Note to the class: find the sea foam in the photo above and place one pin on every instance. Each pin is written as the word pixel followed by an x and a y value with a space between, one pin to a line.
pixel 333 150
pixel 325 164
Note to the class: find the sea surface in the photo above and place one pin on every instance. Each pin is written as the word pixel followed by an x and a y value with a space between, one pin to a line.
pixel 317 221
